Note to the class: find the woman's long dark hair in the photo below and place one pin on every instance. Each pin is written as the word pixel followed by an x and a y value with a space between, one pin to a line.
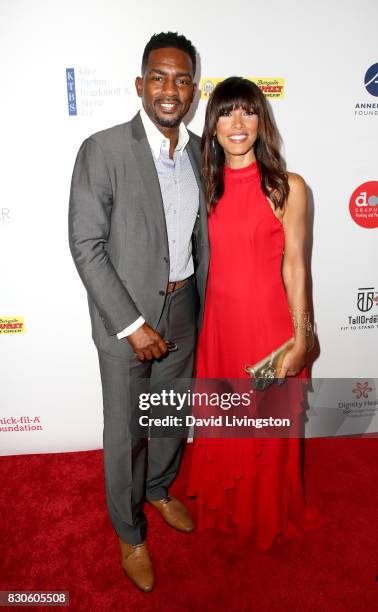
pixel 230 94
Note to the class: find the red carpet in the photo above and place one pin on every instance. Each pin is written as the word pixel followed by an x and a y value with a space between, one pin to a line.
pixel 56 535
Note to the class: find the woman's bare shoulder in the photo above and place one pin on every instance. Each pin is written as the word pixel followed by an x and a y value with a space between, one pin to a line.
pixel 297 199
pixel 296 181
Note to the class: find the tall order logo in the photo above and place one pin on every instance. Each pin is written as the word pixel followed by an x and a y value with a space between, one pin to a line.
pixel 367 317
pixel 371 80
pixel 366 299
pixel 363 205
pixel 71 91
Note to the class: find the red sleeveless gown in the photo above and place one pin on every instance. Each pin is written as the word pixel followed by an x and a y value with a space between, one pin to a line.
pixel 246 483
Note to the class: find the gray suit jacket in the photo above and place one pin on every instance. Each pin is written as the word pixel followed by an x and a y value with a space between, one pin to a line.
pixel 117 231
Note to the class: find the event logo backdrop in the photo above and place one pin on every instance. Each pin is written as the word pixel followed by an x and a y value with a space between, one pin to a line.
pixel 271 87
pixel 50 394
pixel 363 204
pixel 369 108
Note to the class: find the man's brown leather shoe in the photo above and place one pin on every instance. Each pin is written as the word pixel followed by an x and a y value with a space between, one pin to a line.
pixel 137 565
pixel 174 513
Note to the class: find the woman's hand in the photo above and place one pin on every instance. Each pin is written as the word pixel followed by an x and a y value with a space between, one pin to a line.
pixel 293 362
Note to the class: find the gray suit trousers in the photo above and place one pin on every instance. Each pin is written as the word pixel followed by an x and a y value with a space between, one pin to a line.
pixel 137 467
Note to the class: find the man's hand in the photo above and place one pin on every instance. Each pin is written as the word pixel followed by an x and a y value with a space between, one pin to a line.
pixel 147 343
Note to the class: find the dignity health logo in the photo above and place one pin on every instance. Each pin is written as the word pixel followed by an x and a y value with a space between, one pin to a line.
pixel 361 405
pixel 362 390
pixel 363 205
pixel 71 91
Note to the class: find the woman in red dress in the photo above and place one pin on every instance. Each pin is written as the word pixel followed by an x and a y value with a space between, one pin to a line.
pixel 256 300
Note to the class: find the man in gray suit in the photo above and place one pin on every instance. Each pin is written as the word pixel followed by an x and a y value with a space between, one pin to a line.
pixel 138 236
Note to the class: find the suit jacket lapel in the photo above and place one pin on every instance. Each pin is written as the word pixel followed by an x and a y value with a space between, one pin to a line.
pixel 147 170
pixel 195 159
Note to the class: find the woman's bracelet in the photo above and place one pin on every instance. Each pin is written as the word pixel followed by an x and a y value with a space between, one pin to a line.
pixel 302 326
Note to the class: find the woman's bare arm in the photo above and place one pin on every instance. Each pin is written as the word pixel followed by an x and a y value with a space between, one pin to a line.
pixel 294 271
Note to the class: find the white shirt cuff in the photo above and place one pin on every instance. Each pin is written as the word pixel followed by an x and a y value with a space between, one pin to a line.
pixel 131 328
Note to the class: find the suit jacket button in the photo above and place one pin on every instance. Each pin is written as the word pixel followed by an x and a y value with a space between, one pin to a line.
pixel 166 259
pixel 161 292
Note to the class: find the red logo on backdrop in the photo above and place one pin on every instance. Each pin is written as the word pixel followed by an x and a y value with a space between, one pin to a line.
pixel 363 204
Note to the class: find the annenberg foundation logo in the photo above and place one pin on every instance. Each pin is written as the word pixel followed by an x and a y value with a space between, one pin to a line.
pixel 370 81
pixel 12 325
pixel 366 315
pixel 272 87
pixel 363 205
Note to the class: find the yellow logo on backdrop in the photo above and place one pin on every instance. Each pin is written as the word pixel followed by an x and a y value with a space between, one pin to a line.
pixel 12 325
pixel 272 87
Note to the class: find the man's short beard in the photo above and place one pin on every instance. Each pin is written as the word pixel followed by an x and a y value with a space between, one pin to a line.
pixel 168 123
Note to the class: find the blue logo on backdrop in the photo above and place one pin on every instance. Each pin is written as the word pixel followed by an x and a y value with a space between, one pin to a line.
pixel 71 92
pixel 371 80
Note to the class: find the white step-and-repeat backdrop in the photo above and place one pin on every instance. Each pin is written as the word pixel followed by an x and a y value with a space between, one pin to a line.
pixel 68 70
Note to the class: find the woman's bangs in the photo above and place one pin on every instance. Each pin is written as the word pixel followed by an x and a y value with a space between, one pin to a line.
pixel 241 98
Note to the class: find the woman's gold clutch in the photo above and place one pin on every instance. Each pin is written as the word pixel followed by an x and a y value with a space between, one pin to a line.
pixel 264 372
